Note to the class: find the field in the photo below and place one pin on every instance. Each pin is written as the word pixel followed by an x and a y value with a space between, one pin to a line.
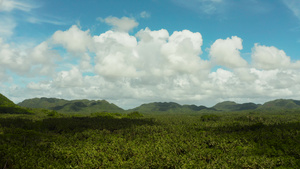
pixel 110 140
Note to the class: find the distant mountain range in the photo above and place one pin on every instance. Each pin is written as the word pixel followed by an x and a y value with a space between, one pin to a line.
pixel 72 106
pixel 92 106
pixel 169 107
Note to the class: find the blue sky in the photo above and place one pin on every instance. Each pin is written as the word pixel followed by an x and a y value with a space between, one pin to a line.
pixel 130 52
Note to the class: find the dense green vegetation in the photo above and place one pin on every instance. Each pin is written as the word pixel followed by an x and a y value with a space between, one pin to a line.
pixel 257 138
pixel 112 140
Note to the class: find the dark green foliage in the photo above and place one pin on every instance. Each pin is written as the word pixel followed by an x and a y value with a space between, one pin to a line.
pixel 134 114
pixel 47 139
pixel 209 117
pixel 13 110
pixel 52 113
pixel 228 140
pixel 107 115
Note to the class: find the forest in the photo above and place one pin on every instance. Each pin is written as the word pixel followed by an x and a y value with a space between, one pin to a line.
pixel 43 138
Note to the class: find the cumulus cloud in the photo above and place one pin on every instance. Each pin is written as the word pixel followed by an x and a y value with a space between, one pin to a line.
pixel 183 51
pixel 74 40
pixel 154 53
pixel 66 79
pixel 226 52
pixel 123 24
pixel 114 54
pixel 152 65
pixel 264 57
pixel 30 62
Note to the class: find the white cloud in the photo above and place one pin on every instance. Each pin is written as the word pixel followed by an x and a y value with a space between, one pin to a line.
pixel 36 20
pixel 294 6
pixel 13 59
pixel 7 16
pixel 148 66
pixel 28 62
pixel 114 54
pixel 183 51
pixel 67 79
pixel 145 14
pixel 227 52
pixel 7 25
pixel 123 24
pixel 42 59
pixel 264 57
pixel 74 40
pixel 9 5
pixel 156 53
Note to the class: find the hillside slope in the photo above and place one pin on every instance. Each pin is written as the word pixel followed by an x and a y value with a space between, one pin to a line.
pixel 169 107
pixel 72 106
pixel 281 104
pixel 9 107
pixel 4 101
pixel 232 106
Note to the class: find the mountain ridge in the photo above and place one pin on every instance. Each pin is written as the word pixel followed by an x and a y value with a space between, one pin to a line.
pixel 91 106
pixel 233 106
pixel 71 106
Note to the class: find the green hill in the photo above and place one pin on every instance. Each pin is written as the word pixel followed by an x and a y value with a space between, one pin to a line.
pixel 9 107
pixel 45 103
pixel 168 107
pixel 281 104
pixel 4 101
pixel 232 106
pixel 72 106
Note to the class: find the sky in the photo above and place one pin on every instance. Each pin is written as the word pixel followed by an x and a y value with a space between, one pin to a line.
pixel 130 52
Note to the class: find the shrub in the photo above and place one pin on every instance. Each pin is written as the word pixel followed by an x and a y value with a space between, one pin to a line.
pixel 52 113
pixel 134 114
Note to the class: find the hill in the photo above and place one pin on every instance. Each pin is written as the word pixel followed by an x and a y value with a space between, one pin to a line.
pixel 4 101
pixel 168 107
pixel 71 106
pixel 9 107
pixel 281 104
pixel 232 106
